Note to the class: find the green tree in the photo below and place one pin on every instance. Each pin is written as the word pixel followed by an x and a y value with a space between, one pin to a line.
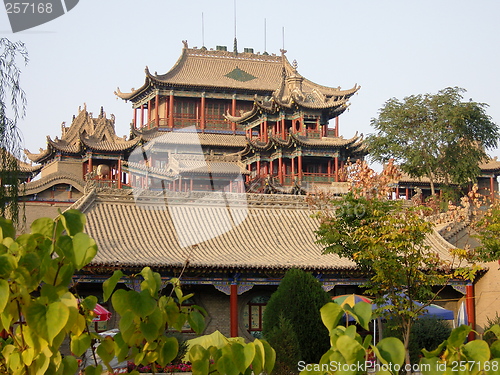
pixel 438 136
pixel 387 242
pixel 12 108
pixel 298 299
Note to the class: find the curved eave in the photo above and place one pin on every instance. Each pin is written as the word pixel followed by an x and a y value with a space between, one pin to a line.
pixel 118 145
pixel 134 94
pixel 57 178
pixel 261 146
pixel 69 149
pixel 331 105
pixel 37 158
pixel 326 142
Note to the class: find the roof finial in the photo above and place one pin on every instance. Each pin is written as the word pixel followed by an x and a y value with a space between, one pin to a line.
pixel 295 65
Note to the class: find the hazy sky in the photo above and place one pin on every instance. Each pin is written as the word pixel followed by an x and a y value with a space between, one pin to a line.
pixel 391 48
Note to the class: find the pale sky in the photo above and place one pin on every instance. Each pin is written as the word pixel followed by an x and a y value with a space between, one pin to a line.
pixel 392 48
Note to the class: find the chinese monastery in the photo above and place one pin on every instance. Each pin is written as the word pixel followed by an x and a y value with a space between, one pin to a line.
pixel 210 182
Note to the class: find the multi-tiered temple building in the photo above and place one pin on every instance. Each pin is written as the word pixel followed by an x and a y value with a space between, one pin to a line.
pixel 186 188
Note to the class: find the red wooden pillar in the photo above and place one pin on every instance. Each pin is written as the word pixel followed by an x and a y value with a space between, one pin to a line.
pixel 397 191
pixel 407 194
pixel 264 130
pixel 492 188
pixel 166 110
pixel 142 116
pixel 171 110
pixel 300 167
pixel 149 113
pixel 135 118
pixel 283 128
pixel 233 112
pixel 280 169
pixel 337 126
pixel 271 169
pixel 293 167
pixel 90 163
pixel 119 173
pixel 471 310
pixel 202 111
pixel 233 310
pixel 157 110
pixel 258 168
pixel 336 159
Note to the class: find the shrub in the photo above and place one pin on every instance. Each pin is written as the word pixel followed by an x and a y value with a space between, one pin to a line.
pixel 426 333
pixel 299 298
pixel 284 340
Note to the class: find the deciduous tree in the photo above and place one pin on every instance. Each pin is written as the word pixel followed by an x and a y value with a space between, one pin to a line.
pixel 440 136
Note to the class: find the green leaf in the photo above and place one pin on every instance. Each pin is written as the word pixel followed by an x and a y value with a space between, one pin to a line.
pixel 227 365
pixel 73 221
pixel 85 250
pixel 7 264
pixel 49 320
pixel 4 294
pixel 89 303
pixel 196 321
pixel 141 303
pixel 391 350
pixel 200 367
pixel 44 226
pixel 149 330
pixel 350 349
pixel 432 366
pixel 119 301
pixel 168 351
pixel 269 357
pixel 109 285
pixel 79 344
pixel 6 229
pixel 152 281
pixel 458 336
pixel 477 350
pixel 495 329
pixel 106 350
pixel 331 313
pixel 495 349
pixel 70 365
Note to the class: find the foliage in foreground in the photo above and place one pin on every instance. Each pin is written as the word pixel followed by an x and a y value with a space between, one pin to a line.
pixel 427 333
pixel 298 299
pixel 38 310
pixel 350 354
pixel 284 340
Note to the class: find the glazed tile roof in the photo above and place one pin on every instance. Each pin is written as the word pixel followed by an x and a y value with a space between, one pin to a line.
pixel 265 232
pixel 223 69
pixel 492 165
pixel 95 133
pixel 155 137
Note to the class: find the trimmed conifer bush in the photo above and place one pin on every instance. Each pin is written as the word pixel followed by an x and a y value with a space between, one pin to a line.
pixel 284 341
pixel 298 299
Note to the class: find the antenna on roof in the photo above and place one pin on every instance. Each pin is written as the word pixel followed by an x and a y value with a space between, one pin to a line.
pixel 265 35
pixel 283 36
pixel 235 41
pixel 202 31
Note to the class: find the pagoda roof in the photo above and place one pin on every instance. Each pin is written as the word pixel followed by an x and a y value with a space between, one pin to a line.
pixel 490 165
pixel 265 232
pixel 189 137
pixel 85 132
pixel 259 73
pixel 355 144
